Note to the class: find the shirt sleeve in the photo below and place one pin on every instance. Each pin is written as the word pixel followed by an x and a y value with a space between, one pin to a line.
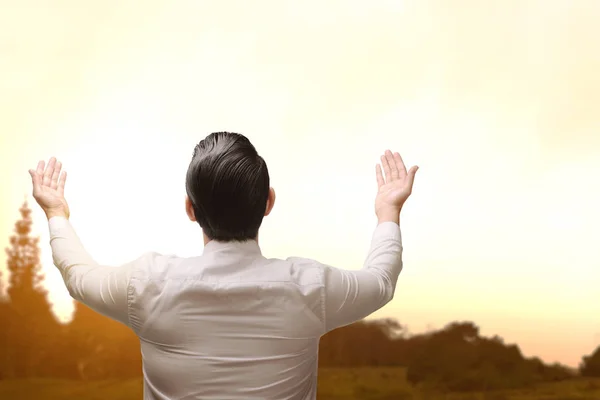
pixel 353 295
pixel 102 288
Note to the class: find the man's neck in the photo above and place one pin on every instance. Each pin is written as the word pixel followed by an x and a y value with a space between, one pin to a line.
pixel 207 239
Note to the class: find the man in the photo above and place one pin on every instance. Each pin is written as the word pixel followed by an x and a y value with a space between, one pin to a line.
pixel 230 324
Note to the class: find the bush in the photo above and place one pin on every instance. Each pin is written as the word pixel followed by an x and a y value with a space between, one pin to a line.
pixel 590 365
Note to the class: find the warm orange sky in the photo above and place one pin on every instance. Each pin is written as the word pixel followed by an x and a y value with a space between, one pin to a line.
pixel 498 102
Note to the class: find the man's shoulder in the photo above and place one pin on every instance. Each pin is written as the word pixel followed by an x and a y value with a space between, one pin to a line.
pixel 303 262
pixel 304 271
pixel 153 264
pixel 155 258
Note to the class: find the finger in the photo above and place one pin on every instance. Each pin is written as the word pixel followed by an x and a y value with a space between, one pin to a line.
pixel 61 183
pixel 399 164
pixel 55 175
pixel 49 171
pixel 40 168
pixel 379 174
pixel 411 176
pixel 386 168
pixel 34 179
pixel 394 170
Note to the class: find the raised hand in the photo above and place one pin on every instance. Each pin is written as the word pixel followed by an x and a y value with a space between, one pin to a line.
pixel 394 188
pixel 49 188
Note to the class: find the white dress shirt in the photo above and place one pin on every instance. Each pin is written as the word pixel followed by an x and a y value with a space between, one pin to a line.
pixel 229 324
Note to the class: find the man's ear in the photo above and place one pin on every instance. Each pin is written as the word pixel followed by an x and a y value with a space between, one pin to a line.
pixel 270 201
pixel 189 209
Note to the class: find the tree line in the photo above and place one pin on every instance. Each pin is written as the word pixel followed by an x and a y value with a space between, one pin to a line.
pixel 33 343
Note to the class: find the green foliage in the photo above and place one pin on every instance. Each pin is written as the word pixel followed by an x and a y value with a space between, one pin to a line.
pixel 590 365
pixel 4 339
pixel 32 341
pixel 453 358
pixel 30 328
pixel 102 348
pixel 456 358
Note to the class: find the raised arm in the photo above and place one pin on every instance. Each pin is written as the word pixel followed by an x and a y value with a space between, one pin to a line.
pixel 353 295
pixel 102 288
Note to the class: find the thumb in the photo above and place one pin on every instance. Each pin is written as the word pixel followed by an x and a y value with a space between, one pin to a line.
pixel 411 175
pixel 34 179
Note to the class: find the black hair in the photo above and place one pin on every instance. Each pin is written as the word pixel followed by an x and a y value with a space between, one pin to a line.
pixel 228 185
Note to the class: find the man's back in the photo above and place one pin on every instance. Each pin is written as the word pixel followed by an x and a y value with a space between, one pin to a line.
pixel 229 324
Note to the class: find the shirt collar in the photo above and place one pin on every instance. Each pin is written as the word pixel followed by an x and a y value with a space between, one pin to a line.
pixel 246 247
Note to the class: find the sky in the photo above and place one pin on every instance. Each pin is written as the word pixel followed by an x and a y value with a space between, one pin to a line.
pixel 498 103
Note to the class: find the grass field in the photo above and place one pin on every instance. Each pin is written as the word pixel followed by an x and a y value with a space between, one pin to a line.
pixel 334 384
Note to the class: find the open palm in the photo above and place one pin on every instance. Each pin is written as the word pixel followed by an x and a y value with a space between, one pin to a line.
pixel 49 186
pixel 396 185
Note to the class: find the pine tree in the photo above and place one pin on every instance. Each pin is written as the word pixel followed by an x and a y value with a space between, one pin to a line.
pixel 32 328
pixel 4 320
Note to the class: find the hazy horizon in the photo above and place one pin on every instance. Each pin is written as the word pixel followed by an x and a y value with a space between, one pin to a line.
pixel 497 102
